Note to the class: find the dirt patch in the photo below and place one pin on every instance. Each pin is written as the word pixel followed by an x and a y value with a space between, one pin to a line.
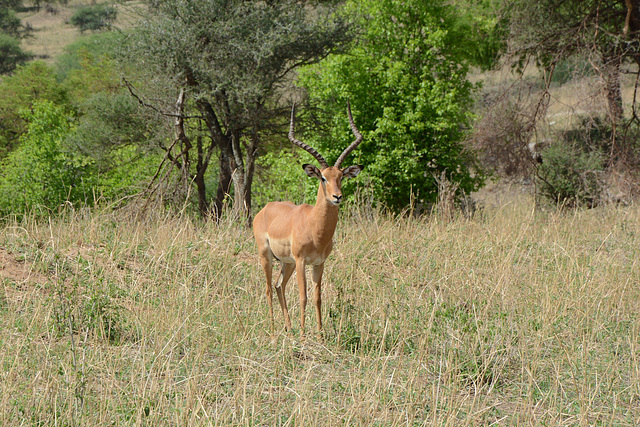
pixel 18 271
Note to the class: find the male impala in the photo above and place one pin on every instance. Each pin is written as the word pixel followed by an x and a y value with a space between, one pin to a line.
pixel 302 235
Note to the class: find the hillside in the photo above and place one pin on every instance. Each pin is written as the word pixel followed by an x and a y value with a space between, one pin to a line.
pixel 52 30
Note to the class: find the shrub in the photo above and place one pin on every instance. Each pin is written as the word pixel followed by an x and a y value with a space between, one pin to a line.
pixel 41 172
pixel 11 55
pixel 94 17
pixel 571 175
pixel 409 93
pixel 279 176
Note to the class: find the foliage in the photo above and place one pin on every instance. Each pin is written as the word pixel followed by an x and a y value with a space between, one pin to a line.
pixel 10 4
pixel 111 121
pixel 280 177
pixel 600 33
pixel 11 32
pixel 95 17
pixel 11 55
pixel 30 83
pixel 41 172
pixel 406 81
pixel 484 31
pixel 9 23
pixel 117 134
pixel 96 50
pixel 572 170
pixel 226 61
pixel 551 30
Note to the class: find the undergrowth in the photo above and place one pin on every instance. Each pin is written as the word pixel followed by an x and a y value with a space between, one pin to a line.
pixel 514 316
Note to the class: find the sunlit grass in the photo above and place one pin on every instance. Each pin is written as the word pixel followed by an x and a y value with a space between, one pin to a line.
pixel 52 31
pixel 514 316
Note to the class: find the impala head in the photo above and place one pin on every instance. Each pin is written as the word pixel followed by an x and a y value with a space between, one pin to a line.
pixel 331 180
pixel 330 177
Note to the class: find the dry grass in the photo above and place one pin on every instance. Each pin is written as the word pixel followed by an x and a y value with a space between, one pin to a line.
pixel 53 32
pixel 513 317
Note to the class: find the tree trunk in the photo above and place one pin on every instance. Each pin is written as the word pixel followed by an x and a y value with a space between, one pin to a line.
pixel 240 208
pixel 224 183
pixel 252 151
pixel 203 204
pixel 612 87
pixel 226 162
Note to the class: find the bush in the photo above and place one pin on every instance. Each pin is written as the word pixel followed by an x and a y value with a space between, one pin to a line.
pixel 11 55
pixel 279 177
pixel 41 172
pixel 94 17
pixel 571 175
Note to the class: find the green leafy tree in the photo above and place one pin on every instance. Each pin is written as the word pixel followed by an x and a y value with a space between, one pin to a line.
pixel 11 55
pixel 406 81
pixel 94 18
pixel 112 129
pixel 41 172
pixel 225 63
pixel 95 50
pixel 10 24
pixel 11 31
pixel 30 83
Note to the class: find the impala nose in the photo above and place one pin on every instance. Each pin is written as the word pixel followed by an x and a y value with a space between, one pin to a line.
pixel 337 199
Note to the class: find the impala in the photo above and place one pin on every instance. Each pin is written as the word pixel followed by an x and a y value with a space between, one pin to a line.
pixel 298 236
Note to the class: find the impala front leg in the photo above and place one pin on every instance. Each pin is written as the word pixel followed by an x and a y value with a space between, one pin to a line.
pixel 302 290
pixel 317 290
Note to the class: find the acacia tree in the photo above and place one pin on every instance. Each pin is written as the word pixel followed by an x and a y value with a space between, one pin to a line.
pixel 224 63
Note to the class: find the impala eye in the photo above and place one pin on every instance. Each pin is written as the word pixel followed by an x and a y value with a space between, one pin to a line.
pixel 323 179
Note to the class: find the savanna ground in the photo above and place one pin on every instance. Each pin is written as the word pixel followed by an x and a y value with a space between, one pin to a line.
pixel 514 316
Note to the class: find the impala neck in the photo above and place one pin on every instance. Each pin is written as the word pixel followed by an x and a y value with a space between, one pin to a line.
pixel 326 218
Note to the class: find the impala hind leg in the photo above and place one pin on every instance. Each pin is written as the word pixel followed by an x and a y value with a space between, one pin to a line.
pixel 317 293
pixel 281 285
pixel 267 266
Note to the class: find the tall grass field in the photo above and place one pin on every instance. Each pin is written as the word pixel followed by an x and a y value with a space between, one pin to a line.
pixel 514 317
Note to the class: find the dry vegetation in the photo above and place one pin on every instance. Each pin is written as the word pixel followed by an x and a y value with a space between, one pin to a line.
pixel 512 317
pixel 52 31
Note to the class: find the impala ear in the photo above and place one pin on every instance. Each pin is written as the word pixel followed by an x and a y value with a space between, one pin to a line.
pixel 312 171
pixel 351 171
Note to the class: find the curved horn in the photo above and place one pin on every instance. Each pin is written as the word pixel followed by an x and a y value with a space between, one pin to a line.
pixel 355 143
pixel 304 146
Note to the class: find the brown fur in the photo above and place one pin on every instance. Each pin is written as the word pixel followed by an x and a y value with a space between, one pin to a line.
pixel 299 236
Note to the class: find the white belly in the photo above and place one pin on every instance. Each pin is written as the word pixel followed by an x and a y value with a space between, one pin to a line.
pixel 281 250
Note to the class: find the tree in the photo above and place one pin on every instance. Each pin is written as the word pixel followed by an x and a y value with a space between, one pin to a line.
pixel 607 32
pixel 11 55
pixel 11 31
pixel 41 172
pixel 225 63
pixel 406 81
pixel 30 83
pixel 111 128
pixel 95 17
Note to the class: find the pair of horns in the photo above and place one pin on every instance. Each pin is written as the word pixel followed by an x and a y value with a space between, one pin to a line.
pixel 314 152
